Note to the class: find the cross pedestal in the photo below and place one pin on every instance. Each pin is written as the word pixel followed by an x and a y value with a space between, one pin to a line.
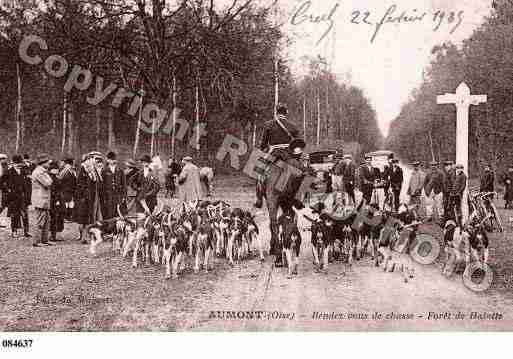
pixel 462 99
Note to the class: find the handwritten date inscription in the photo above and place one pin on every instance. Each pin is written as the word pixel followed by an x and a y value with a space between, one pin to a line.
pixel 304 14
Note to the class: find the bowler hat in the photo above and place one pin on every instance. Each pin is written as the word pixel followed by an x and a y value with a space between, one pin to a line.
pixel 145 159
pixel 42 158
pixel 131 163
pixel 94 154
pixel 17 159
pixel 111 156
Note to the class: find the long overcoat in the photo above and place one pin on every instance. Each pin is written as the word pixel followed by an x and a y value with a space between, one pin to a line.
pixel 189 183
pixel 113 191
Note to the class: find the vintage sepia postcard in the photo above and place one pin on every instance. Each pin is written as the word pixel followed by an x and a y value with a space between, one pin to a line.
pixel 255 165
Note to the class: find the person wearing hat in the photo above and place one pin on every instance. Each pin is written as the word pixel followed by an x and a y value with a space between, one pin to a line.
pixel 368 175
pixel 146 186
pixel 3 177
pixel 113 191
pixel 348 177
pixel 433 190
pixel 68 183
pixel 277 134
pixel 507 180
pixel 189 182
pixel 41 187
pixel 87 206
pixel 447 185
pixel 57 205
pixel 459 183
pixel 487 180
pixel 19 193
pixel 396 182
pixel 172 173
pixel 416 183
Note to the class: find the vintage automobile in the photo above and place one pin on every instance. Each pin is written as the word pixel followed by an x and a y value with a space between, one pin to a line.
pixel 380 158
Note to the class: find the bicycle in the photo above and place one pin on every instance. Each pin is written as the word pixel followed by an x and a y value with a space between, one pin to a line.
pixel 482 203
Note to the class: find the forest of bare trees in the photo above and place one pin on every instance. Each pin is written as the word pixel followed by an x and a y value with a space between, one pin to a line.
pixel 218 64
pixel 424 130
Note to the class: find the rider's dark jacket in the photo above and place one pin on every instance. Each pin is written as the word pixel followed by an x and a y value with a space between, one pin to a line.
pixel 274 134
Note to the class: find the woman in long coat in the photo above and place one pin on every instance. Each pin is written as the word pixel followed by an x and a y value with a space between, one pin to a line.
pixel 189 181
pixel 87 193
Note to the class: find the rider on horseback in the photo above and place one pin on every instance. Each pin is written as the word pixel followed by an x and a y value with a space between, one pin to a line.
pixel 278 134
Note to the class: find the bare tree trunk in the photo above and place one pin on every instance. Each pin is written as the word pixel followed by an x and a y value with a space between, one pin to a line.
pixel 304 117
pixel 276 84
pixel 327 111
pixel 71 140
pixel 64 123
pixel 174 120
pixel 254 134
pixel 18 110
pixel 138 126
pixel 318 118
pixel 111 128
pixel 431 145
pixel 197 119
pixel 98 113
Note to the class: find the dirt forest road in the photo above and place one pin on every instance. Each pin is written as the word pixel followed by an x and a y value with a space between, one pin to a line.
pixel 356 293
pixel 65 288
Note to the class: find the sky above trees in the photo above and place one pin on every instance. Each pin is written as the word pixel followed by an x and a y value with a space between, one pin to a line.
pixel 390 67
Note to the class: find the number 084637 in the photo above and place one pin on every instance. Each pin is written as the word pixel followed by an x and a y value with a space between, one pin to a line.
pixel 16 343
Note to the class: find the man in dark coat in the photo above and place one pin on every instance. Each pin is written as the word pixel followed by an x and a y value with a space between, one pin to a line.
pixel 487 180
pixel 507 179
pixel 367 178
pixel 87 193
pixel 3 182
pixel 19 192
pixel 68 183
pixel 173 172
pixel 113 192
pixel 146 186
pixel 348 177
pixel 57 207
pixel 433 189
pixel 396 181
pixel 459 183
pixel 447 186
pixel 278 134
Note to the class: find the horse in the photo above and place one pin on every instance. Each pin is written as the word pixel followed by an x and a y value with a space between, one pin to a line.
pixel 284 194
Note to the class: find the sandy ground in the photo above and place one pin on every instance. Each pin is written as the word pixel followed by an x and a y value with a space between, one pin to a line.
pixel 62 288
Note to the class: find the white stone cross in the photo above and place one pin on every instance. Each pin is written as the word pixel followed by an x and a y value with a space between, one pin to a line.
pixel 462 99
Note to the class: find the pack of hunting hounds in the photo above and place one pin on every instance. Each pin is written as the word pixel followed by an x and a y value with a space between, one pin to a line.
pixel 195 232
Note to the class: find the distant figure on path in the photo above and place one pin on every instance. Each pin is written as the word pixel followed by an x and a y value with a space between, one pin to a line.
pixel 189 182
